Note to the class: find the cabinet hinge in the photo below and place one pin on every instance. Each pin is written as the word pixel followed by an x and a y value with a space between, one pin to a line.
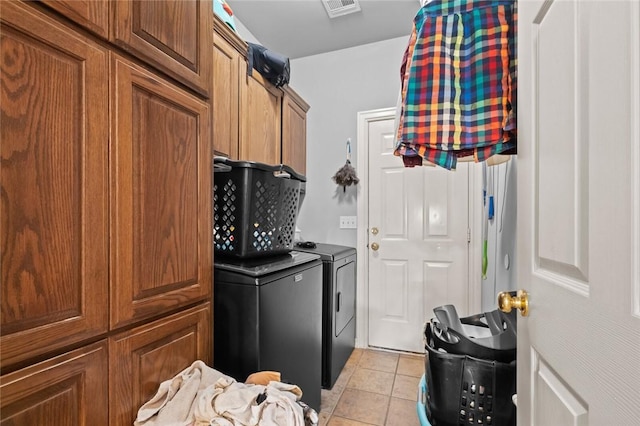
pixel 468 235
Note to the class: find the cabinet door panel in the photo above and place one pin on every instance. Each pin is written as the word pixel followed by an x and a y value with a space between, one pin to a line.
pixel 260 117
pixel 162 180
pixel 175 35
pixel 68 390
pixel 92 14
pixel 226 74
pixel 294 135
pixel 143 358
pixel 53 179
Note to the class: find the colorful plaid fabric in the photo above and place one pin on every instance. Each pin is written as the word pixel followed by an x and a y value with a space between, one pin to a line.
pixel 459 82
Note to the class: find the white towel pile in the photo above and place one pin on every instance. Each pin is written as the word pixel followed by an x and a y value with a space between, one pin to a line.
pixel 201 395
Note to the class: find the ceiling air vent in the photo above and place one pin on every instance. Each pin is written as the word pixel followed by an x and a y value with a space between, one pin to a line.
pixel 337 8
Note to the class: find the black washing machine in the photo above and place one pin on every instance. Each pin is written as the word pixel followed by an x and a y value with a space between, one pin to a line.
pixel 338 306
pixel 267 316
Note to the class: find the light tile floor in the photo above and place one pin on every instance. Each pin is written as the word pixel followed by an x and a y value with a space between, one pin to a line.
pixel 374 388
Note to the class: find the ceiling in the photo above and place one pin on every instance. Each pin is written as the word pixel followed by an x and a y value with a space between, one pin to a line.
pixel 298 28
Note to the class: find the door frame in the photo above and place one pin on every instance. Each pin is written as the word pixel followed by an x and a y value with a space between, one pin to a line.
pixel 362 234
pixel 635 185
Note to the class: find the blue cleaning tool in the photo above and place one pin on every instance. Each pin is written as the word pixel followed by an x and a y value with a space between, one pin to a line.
pixel 491 207
pixel 485 222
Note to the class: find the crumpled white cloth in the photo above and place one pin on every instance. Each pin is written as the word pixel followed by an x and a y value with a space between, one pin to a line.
pixel 277 409
pixel 202 396
pixel 173 402
pixel 229 403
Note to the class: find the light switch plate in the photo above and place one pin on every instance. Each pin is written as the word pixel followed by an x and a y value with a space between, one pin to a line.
pixel 348 222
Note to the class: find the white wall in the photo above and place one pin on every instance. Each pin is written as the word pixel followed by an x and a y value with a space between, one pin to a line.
pixel 338 85
pixel 244 32
pixel 501 275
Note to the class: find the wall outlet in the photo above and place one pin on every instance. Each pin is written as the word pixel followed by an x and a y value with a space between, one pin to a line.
pixel 348 222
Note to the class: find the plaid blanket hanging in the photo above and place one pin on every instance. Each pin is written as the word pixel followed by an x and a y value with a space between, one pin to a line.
pixel 459 83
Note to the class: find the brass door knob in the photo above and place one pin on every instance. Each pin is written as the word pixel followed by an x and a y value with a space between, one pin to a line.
pixel 375 246
pixel 506 302
pixel 374 230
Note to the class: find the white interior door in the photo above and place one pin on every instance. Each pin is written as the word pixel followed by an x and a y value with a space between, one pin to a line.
pixel 578 212
pixel 418 217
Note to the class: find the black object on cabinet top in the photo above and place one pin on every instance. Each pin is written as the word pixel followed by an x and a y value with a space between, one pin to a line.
pixel 259 267
pixel 329 252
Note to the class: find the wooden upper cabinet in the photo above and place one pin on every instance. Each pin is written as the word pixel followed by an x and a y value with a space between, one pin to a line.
pixel 93 14
pixel 252 119
pixel 161 167
pixel 226 101
pixel 142 358
pixel 173 35
pixel 260 104
pixel 53 179
pixel 70 389
pixel 294 131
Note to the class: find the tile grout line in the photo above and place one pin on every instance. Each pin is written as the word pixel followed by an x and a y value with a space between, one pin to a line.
pixel 341 392
pixel 395 375
pixel 355 367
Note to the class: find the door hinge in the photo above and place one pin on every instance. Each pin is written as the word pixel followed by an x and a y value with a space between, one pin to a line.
pixel 468 235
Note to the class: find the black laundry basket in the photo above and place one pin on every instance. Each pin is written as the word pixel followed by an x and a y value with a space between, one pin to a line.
pixel 470 379
pixel 255 208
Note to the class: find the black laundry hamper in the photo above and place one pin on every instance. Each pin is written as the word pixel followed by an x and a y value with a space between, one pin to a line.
pixel 255 208
pixel 470 377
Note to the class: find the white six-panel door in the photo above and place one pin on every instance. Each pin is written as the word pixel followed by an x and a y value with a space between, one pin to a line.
pixel 579 212
pixel 421 218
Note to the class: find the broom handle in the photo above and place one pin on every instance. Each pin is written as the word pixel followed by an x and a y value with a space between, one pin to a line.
pixel 349 149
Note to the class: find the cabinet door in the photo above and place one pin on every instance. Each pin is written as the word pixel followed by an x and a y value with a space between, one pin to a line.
pixel 53 181
pixel 93 15
pixel 260 120
pixel 173 35
pixel 294 134
pixel 226 73
pixel 161 170
pixel 68 390
pixel 142 358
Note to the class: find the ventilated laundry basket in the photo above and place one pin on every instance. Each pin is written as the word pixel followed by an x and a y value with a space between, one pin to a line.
pixel 470 378
pixel 255 208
